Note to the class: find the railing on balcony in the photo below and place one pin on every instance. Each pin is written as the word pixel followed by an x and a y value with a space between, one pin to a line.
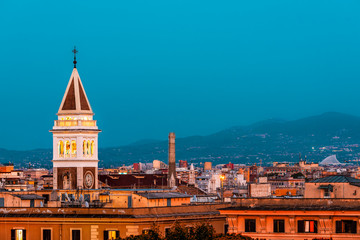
pixel 73 123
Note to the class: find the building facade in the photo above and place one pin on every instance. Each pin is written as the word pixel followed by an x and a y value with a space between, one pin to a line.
pixel 294 218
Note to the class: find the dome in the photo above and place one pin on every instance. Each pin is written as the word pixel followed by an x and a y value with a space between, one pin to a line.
pixel 330 160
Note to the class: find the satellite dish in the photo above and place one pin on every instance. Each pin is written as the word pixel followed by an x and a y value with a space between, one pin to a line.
pixel 86 204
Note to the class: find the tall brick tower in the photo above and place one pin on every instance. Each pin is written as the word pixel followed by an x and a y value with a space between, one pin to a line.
pixel 172 166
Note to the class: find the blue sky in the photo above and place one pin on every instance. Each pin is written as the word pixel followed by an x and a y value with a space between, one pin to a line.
pixel 193 67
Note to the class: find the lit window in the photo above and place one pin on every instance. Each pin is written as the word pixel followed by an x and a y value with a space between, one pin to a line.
pixel 111 235
pixel 307 226
pixel 67 148
pixel 147 231
pixel 84 147
pixel 61 148
pixel 73 147
pixel 18 234
pixel 88 147
pixel 92 147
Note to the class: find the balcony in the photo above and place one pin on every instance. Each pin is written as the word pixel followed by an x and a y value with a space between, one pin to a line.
pixel 75 123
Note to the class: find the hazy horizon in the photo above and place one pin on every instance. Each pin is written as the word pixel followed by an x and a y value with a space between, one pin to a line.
pixel 194 68
pixel 165 137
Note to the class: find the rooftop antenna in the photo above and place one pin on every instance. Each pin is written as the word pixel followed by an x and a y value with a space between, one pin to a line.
pixel 75 52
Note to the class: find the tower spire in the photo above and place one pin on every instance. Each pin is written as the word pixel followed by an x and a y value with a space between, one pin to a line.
pixel 75 52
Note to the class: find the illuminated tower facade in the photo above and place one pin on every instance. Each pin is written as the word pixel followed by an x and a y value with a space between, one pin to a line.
pixel 75 139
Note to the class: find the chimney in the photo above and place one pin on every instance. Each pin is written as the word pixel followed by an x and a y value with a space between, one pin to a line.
pixel 172 167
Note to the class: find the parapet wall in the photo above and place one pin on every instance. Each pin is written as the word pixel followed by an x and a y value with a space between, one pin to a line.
pixel 296 202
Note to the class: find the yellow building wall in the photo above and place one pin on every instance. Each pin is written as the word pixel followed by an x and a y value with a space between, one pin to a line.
pixel 340 190
pixel 285 192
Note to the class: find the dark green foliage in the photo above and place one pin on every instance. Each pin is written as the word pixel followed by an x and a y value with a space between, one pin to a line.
pixel 178 232
pixel 203 231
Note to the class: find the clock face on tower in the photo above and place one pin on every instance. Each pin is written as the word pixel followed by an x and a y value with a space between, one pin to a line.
pixel 88 179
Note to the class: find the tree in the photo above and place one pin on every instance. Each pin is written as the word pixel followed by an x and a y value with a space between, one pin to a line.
pixel 178 232
pixel 204 231
pixel 152 234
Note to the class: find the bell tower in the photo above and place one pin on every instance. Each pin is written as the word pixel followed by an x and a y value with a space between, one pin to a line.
pixel 75 139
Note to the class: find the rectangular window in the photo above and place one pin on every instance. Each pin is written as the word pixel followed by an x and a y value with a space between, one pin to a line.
pixel 18 234
pixel 279 226
pixel 250 225
pixel 226 228
pixel 346 226
pixel 147 231
pixel 46 233
pixel 326 193
pixel 111 234
pixel 75 235
pixel 307 226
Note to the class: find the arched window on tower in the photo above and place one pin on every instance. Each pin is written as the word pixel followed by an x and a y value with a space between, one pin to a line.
pixel 84 147
pixel 88 148
pixel 67 148
pixel 61 148
pixel 73 148
pixel 92 147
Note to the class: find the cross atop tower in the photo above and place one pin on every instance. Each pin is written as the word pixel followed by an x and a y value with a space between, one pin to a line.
pixel 75 52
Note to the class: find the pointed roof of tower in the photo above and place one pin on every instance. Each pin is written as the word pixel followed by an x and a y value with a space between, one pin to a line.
pixel 75 100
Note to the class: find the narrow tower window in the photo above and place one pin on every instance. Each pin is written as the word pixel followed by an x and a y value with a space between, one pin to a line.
pixel 88 148
pixel 67 148
pixel 61 148
pixel 84 147
pixel 92 147
pixel 73 148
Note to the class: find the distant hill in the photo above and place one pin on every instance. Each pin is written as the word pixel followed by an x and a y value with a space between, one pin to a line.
pixel 271 140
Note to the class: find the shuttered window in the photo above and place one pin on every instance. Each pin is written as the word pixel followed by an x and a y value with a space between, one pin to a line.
pixel 46 233
pixel 307 226
pixel 75 235
pixel 346 226
pixel 250 225
pixel 279 226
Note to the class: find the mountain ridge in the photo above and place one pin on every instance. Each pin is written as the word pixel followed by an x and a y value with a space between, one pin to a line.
pixel 268 140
